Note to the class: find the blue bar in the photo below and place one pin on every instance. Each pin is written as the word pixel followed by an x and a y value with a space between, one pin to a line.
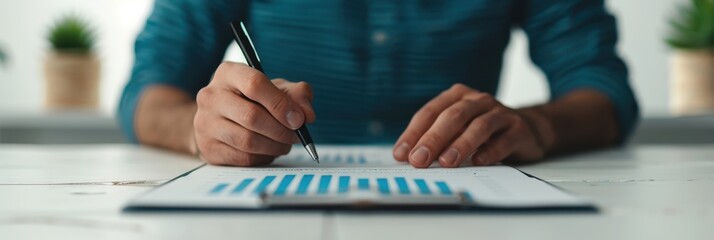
pixel 304 183
pixel 324 183
pixel 383 185
pixel 363 184
pixel 242 186
pixel 263 184
pixel 284 185
pixel 350 159
pixel 402 185
pixel 362 159
pixel 344 184
pixel 443 188
pixel 421 184
pixel 218 188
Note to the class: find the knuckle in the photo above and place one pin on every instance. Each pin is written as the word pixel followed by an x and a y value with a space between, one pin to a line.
pixel 280 81
pixel 426 113
pixel 286 136
pixel 467 143
pixel 306 88
pixel 432 138
pixel 456 113
pixel 482 125
pixel 248 142
pixel 252 84
pixel 280 103
pixel 204 96
pixel 250 116
pixel 408 137
pixel 459 87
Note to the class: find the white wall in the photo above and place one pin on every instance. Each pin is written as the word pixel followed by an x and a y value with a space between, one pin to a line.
pixel 23 25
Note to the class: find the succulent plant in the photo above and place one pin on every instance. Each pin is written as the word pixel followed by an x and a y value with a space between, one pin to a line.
pixel 693 27
pixel 72 33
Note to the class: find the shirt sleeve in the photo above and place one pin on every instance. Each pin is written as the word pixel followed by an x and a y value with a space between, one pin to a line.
pixel 181 45
pixel 574 43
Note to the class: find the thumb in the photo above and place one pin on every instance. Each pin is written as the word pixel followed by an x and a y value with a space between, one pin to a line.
pixel 301 93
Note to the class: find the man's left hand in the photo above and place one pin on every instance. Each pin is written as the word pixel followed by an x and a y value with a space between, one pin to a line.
pixel 462 124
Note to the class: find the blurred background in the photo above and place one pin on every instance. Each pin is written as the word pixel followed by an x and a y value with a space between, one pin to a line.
pixel 27 114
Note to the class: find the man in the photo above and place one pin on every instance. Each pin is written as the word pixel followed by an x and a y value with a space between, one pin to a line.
pixel 419 74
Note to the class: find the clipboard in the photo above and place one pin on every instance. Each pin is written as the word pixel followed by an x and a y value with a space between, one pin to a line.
pixel 370 185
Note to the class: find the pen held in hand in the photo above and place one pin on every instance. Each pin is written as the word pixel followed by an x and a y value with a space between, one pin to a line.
pixel 251 56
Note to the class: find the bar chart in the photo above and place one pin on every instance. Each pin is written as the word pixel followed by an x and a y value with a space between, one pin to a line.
pixel 329 184
pixel 346 159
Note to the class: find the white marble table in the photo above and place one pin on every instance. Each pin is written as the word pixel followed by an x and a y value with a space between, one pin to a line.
pixel 77 191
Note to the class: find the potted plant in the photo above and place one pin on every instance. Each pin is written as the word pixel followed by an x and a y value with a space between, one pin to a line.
pixel 71 67
pixel 692 73
pixel 3 57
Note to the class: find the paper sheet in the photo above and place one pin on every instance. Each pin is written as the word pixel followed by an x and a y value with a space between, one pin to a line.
pixel 349 174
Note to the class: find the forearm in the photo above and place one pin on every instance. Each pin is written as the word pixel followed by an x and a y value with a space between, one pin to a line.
pixel 164 118
pixel 581 120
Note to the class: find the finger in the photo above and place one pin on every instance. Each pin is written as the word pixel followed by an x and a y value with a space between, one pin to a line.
pixel 301 93
pixel 221 154
pixel 255 86
pixel 253 117
pixel 245 140
pixel 497 149
pixel 480 130
pixel 446 128
pixel 424 118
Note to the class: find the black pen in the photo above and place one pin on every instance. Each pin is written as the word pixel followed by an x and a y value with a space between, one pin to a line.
pixel 246 45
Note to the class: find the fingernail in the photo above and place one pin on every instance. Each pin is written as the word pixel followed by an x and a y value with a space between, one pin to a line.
pixel 402 150
pixel 450 156
pixel 295 119
pixel 420 156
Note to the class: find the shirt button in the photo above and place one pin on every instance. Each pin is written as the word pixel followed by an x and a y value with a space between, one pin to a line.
pixel 376 128
pixel 379 37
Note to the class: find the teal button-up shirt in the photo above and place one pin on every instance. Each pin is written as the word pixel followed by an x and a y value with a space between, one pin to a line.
pixel 373 64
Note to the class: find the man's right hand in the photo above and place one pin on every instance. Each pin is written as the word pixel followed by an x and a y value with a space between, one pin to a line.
pixel 243 119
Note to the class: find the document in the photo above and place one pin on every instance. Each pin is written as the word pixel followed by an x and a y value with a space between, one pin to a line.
pixel 354 177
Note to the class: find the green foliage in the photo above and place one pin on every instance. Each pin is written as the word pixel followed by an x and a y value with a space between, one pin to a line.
pixel 72 33
pixel 3 57
pixel 693 27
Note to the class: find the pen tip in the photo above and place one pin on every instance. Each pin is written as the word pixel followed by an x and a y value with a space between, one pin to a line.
pixel 313 153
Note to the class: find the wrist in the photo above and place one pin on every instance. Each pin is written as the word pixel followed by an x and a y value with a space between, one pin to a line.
pixel 541 126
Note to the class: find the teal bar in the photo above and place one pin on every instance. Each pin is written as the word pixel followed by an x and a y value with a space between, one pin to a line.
pixel 363 184
pixel 383 185
pixel 402 185
pixel 284 185
pixel 218 188
pixel 304 183
pixel 263 184
pixel 362 159
pixel 324 183
pixel 242 186
pixel 421 184
pixel 344 184
pixel 444 188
